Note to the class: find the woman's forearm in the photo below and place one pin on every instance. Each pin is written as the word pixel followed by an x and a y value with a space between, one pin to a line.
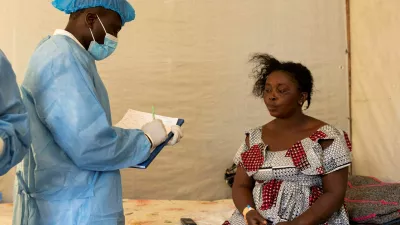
pixel 321 210
pixel 242 196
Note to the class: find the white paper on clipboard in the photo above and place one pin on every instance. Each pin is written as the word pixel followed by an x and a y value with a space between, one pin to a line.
pixel 134 119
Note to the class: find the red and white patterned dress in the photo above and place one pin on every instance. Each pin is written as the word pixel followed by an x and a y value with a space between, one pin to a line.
pixel 288 182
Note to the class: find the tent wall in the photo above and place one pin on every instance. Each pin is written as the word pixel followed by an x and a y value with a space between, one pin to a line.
pixel 375 81
pixel 189 59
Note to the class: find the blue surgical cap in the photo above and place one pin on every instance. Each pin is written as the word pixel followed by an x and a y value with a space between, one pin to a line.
pixel 122 7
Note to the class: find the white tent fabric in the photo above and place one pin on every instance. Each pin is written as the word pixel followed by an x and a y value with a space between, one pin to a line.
pixel 375 94
pixel 189 59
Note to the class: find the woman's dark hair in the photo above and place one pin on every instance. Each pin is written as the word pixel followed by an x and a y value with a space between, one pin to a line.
pixel 266 64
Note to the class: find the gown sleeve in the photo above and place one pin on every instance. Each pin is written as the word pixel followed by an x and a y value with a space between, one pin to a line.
pixel 71 111
pixel 14 123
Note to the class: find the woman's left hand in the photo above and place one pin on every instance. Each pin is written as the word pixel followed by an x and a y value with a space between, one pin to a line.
pixel 286 223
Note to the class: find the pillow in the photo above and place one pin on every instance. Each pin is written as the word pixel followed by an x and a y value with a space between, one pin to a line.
pixel 356 181
pixel 369 200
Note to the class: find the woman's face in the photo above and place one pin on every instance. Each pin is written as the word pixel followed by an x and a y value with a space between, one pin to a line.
pixel 281 95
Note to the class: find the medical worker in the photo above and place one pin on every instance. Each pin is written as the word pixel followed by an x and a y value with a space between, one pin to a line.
pixel 14 125
pixel 71 175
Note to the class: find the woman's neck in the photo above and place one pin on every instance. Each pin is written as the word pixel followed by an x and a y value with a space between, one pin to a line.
pixel 295 121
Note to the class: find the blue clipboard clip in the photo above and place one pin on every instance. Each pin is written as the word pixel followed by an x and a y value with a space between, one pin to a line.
pixel 145 164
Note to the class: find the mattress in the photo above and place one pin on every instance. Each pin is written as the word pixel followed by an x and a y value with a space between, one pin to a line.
pixel 158 212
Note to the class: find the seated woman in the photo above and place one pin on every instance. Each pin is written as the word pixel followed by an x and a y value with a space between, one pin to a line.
pixel 292 170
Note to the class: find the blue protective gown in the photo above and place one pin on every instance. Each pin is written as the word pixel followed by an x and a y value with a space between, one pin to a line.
pixel 71 174
pixel 14 124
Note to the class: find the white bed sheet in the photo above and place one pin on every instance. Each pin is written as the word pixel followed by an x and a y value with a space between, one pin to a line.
pixel 158 212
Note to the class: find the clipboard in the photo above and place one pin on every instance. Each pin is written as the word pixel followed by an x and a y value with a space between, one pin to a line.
pixel 157 150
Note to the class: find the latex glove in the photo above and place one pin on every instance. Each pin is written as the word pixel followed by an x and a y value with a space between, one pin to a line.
pixel 155 131
pixel 178 135
pixel 2 146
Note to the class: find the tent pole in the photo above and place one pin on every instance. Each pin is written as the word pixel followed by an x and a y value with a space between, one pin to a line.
pixel 348 51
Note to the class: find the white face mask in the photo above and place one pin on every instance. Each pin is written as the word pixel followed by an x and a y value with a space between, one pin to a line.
pixel 102 51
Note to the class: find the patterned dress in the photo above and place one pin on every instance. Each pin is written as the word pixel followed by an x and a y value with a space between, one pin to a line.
pixel 288 182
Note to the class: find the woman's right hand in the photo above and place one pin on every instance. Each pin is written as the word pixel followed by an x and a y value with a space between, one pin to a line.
pixel 254 218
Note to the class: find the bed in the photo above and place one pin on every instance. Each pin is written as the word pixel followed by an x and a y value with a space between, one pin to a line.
pixel 158 212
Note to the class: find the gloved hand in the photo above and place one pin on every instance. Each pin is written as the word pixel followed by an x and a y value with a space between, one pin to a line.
pixel 1 146
pixel 178 135
pixel 155 131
